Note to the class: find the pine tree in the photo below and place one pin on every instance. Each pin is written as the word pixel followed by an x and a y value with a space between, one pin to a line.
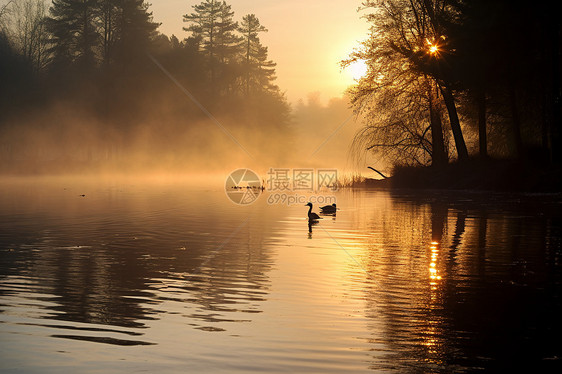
pixel 73 32
pixel 212 25
pixel 204 26
pixel 226 41
pixel 259 72
pixel 134 29
pixel 107 26
pixel 265 73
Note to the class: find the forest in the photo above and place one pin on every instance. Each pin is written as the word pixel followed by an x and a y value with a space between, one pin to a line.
pixel 469 89
pixel 475 83
pixel 94 86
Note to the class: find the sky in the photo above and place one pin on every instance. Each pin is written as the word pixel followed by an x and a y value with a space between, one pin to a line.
pixel 306 38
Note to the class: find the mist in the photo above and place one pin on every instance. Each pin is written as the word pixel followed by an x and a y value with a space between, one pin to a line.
pixel 133 101
pixel 324 135
pixel 67 139
pixel 169 136
pixel 140 102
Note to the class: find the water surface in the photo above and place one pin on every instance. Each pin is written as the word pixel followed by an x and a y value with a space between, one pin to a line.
pixel 168 277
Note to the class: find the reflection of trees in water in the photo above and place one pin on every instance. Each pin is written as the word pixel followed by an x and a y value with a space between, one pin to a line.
pixel 464 284
pixel 119 268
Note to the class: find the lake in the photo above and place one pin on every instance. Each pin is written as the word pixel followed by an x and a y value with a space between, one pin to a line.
pixel 154 276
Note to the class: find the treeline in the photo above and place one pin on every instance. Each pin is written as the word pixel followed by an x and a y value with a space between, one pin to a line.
pixel 88 83
pixel 453 80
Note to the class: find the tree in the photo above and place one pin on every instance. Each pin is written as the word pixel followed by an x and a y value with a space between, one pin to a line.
pixel 474 31
pixel 126 30
pixel 73 29
pixel 402 82
pixel 258 70
pixel 265 73
pixel 25 27
pixel 400 115
pixel 418 26
pixel 212 24
pixel 16 74
pixel 134 30
pixel 507 59
pixel 226 39
pixel 107 26
pixel 204 25
pixel 204 28
pixel 438 152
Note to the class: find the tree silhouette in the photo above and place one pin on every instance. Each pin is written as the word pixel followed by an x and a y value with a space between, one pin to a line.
pixel 73 28
pixel 108 14
pixel 404 90
pixel 496 65
pixel 25 26
pixel 134 30
pixel 212 25
pixel 258 70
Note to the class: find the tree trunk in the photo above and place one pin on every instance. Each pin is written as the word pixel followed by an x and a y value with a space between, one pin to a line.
pixel 438 156
pixel 248 50
pixel 462 152
pixel 482 133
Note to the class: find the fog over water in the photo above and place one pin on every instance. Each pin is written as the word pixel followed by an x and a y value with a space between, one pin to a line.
pixel 63 140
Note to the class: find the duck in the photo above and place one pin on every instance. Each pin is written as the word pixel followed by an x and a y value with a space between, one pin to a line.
pixel 328 208
pixel 311 215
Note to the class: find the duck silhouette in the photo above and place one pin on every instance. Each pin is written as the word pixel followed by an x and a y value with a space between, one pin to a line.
pixel 328 209
pixel 311 215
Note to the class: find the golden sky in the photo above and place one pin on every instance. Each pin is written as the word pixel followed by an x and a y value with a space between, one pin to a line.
pixel 306 38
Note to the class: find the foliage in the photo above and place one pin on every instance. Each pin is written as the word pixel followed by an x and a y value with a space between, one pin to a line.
pixel 493 66
pixel 72 27
pixel 102 79
pixel 258 71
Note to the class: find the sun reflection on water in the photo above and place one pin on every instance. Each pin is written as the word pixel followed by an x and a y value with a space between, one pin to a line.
pixel 434 275
pixel 432 340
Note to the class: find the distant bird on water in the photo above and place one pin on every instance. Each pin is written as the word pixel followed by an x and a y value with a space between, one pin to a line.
pixel 328 208
pixel 311 215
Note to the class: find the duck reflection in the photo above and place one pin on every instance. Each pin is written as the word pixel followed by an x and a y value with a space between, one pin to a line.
pixel 310 224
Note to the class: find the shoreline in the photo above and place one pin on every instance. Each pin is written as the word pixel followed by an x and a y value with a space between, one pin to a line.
pixel 473 175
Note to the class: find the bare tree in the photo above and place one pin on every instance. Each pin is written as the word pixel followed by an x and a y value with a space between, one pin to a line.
pixel 398 123
pixel 4 10
pixel 406 54
pixel 26 29
pixel 400 103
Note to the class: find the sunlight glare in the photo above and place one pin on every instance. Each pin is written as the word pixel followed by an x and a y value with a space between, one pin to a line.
pixel 357 69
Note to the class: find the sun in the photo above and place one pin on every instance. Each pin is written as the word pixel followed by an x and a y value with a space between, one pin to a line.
pixel 357 69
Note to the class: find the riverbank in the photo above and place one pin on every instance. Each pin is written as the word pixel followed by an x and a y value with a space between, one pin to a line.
pixel 485 175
